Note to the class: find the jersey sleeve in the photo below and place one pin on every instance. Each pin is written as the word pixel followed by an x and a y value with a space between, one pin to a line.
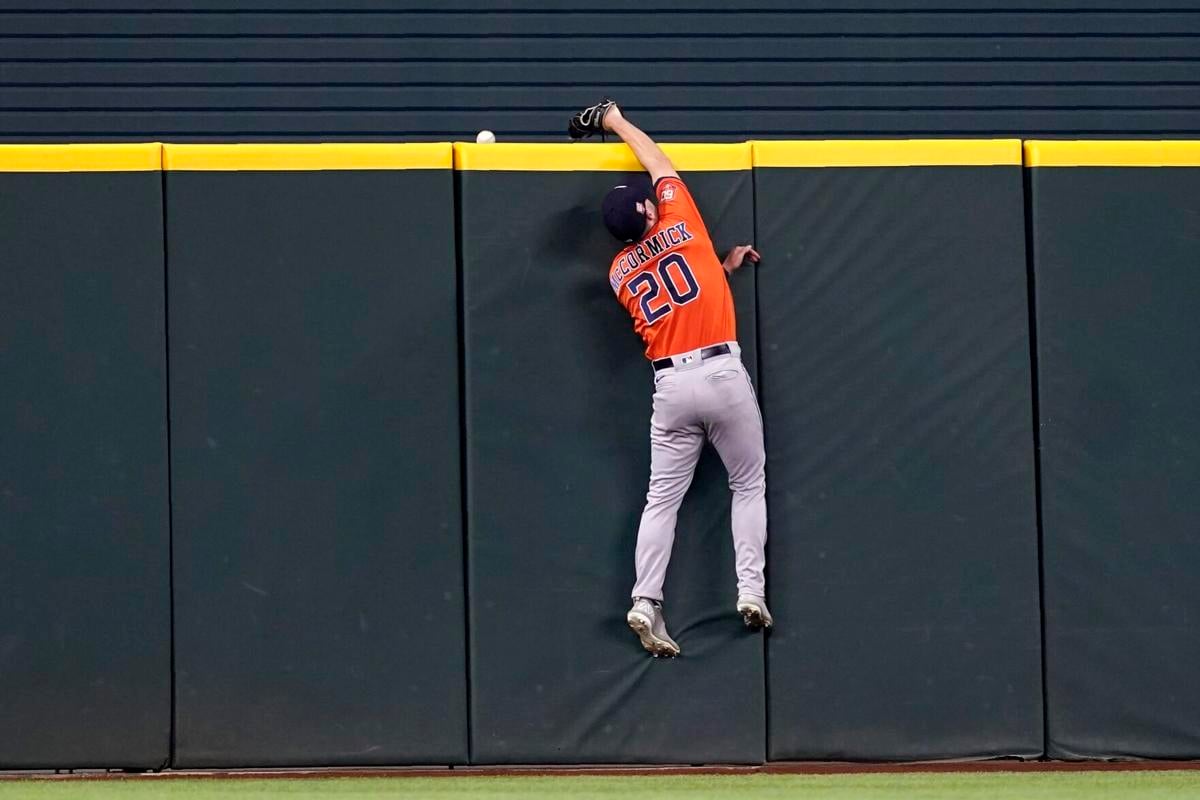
pixel 676 202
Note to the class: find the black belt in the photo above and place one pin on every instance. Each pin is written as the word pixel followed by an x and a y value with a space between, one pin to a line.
pixel 706 353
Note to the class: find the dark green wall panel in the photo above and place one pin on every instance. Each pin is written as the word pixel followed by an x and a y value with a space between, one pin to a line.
pixel 902 559
pixel 315 455
pixel 558 408
pixel 84 538
pixel 1116 257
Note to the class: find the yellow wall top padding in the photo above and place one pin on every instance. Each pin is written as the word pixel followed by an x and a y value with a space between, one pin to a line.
pixel 888 153
pixel 587 157
pixel 1112 154
pixel 305 157
pixel 80 157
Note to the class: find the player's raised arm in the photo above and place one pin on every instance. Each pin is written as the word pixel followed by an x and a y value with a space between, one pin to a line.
pixel 606 116
pixel 648 153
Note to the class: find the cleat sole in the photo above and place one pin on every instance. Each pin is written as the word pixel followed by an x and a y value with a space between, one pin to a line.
pixel 653 645
pixel 753 618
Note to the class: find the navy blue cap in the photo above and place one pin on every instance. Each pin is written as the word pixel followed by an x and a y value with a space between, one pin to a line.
pixel 621 215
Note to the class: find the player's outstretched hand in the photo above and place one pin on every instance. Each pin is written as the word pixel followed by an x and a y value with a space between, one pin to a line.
pixel 591 120
pixel 739 254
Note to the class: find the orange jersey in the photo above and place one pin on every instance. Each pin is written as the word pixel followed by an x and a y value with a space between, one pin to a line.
pixel 671 282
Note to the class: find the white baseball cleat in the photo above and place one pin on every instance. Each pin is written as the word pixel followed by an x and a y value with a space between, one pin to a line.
pixel 754 612
pixel 646 619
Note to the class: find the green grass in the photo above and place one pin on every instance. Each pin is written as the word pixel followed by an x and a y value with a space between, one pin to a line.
pixel 1127 785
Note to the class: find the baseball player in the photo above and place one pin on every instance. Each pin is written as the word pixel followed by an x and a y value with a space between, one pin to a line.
pixel 669 279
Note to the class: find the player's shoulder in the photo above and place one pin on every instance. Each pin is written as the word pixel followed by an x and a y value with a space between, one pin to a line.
pixel 668 187
pixel 674 198
pixel 675 202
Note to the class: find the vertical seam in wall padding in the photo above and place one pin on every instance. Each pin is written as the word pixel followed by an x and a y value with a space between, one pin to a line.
pixel 462 443
pixel 1026 185
pixel 758 373
pixel 162 176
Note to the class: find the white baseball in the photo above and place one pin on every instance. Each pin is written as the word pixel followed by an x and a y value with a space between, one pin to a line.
pixel 485 137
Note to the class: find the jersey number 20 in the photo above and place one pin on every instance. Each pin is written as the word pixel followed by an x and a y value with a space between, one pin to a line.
pixel 648 286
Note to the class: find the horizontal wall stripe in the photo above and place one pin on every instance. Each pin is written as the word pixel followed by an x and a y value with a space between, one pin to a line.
pixel 80 157
pixel 561 99
pixel 888 153
pixel 584 77
pixel 607 157
pixel 1112 154
pixel 301 157
pixel 602 22
pixel 604 157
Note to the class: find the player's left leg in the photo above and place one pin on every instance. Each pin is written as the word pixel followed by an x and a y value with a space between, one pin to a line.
pixel 734 426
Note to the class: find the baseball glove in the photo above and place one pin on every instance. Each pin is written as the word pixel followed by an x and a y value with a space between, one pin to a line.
pixel 590 121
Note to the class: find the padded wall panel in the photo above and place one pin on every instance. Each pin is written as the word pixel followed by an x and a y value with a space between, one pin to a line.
pixel 85 656
pixel 317 497
pixel 558 408
pixel 902 564
pixel 1116 245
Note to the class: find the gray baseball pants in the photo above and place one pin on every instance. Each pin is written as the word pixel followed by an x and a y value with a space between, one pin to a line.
pixel 694 399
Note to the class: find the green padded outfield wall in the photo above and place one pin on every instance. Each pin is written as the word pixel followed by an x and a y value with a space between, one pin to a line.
pixel 1116 246
pixel 557 422
pixel 85 625
pixel 895 360
pixel 315 455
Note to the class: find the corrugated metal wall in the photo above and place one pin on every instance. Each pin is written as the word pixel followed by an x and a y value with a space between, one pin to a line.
pixel 696 69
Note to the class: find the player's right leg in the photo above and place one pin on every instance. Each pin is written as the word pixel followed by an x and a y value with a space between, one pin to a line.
pixel 676 441
pixel 673 456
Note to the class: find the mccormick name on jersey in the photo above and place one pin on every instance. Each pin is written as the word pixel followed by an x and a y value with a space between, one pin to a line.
pixel 656 245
